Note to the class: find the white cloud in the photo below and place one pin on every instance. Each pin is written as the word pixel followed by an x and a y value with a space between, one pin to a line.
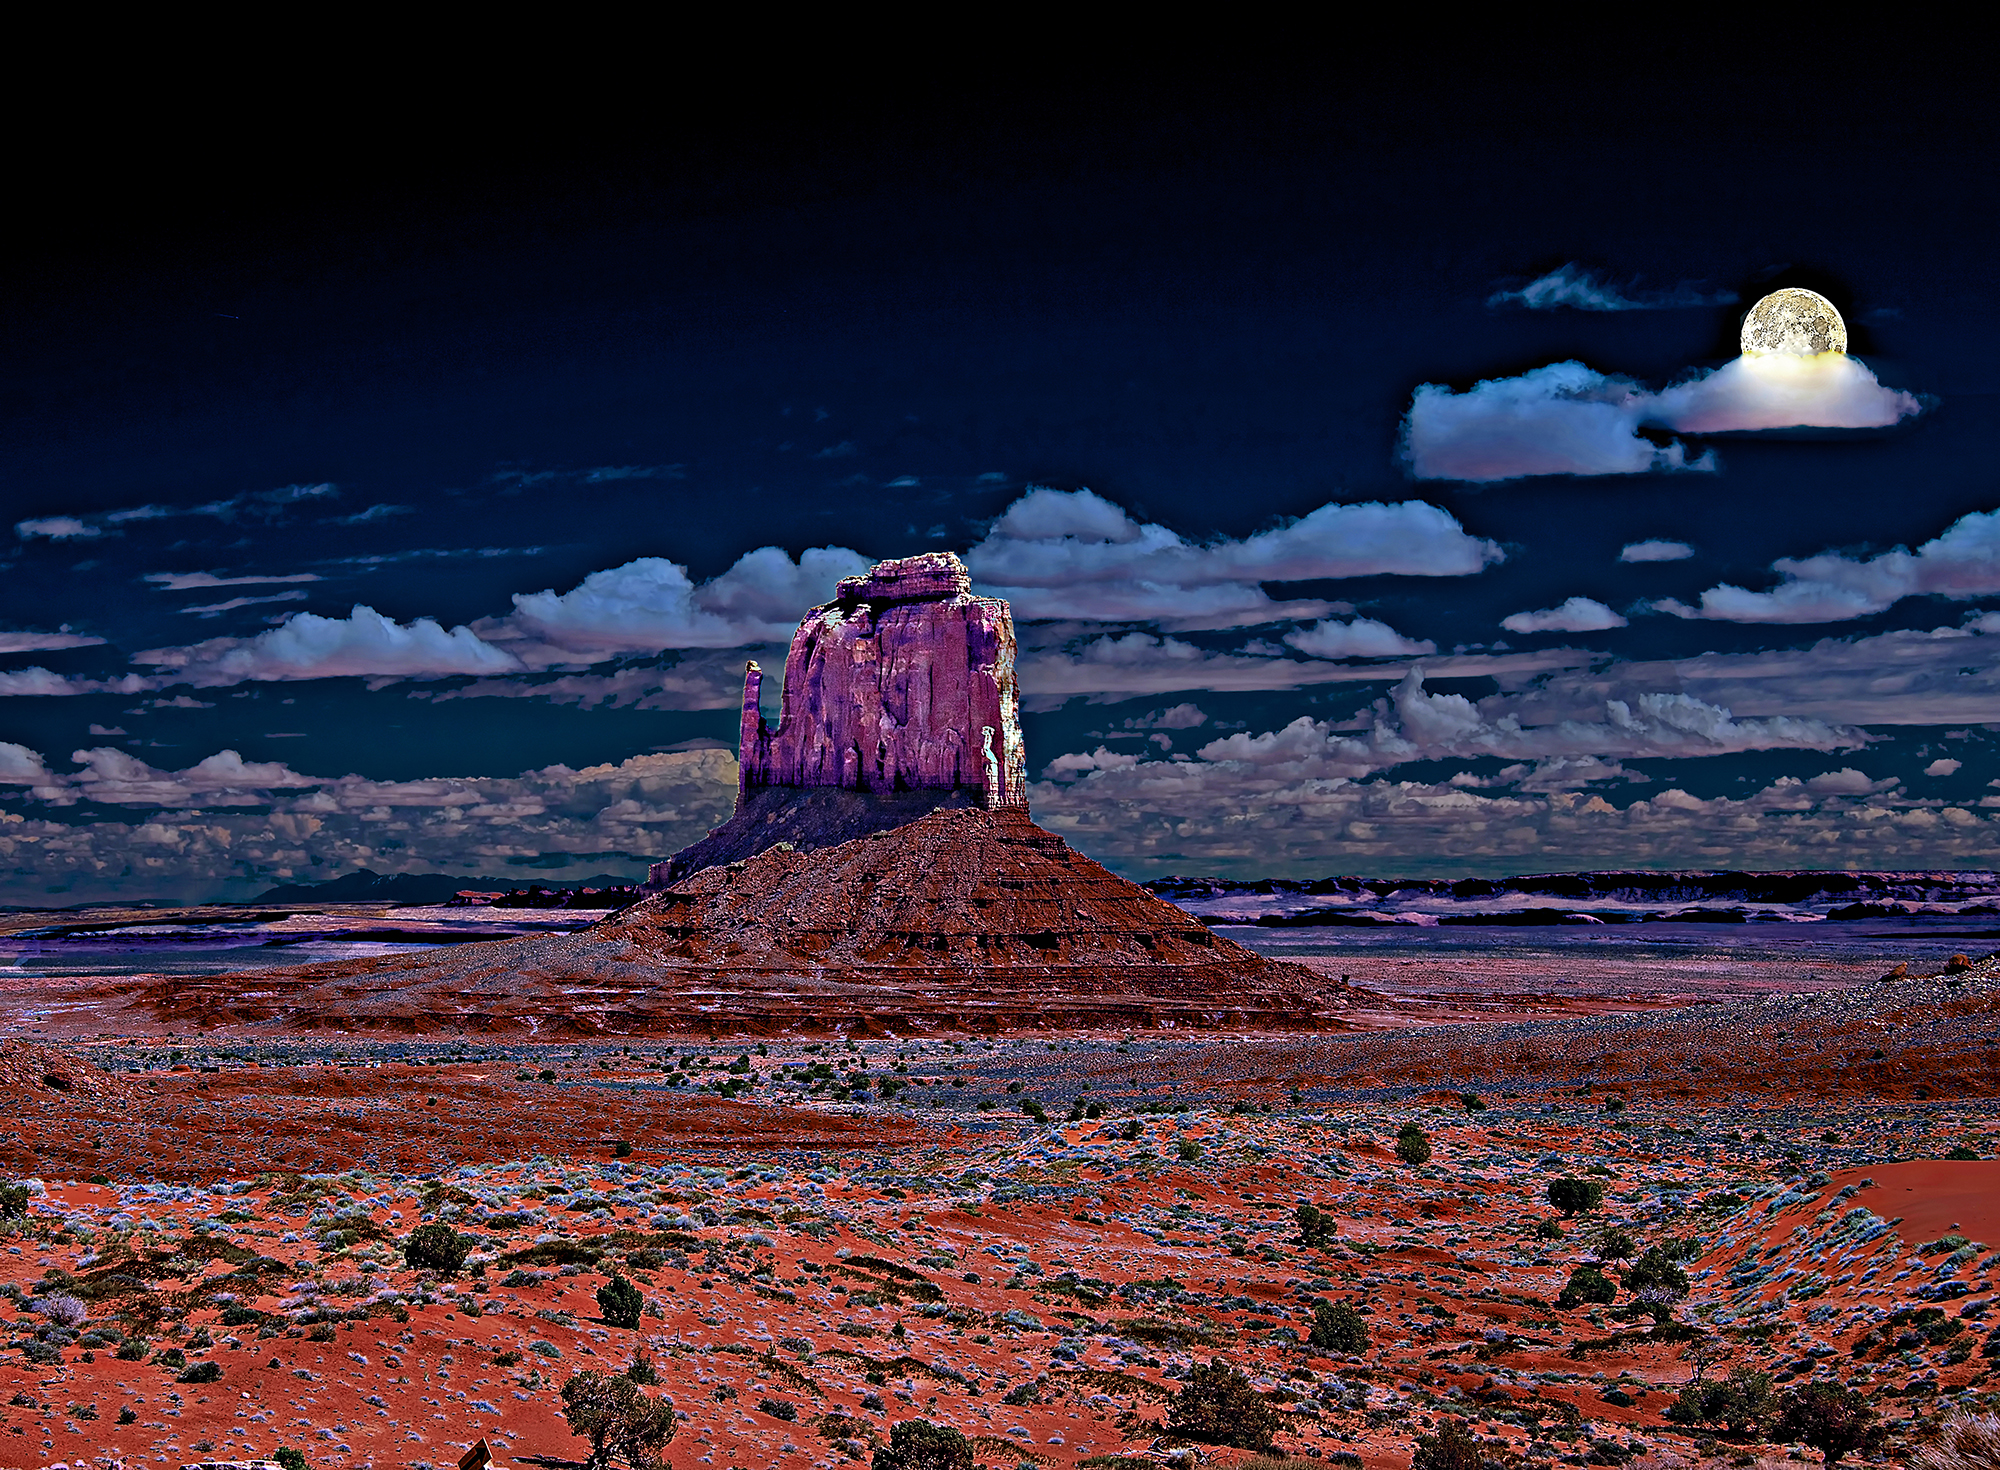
pixel 45 642
pixel 1962 562
pixel 650 604
pixel 55 528
pixel 1568 419
pixel 1778 390
pixel 1943 766
pixel 373 513
pixel 1562 419
pixel 215 609
pixel 1073 554
pixel 307 646
pixel 1583 290
pixel 1360 638
pixel 1575 615
pixel 38 681
pixel 1656 551
pixel 1069 767
pixel 225 821
pixel 1174 717
pixel 181 581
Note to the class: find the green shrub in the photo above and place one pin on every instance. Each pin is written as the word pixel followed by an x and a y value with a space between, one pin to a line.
pixel 13 1201
pixel 1189 1151
pixel 620 1302
pixel 1963 1152
pixel 1453 1447
pixel 291 1459
pixel 1655 1273
pixel 171 1358
pixel 1413 1147
pixel 1473 1102
pixel 622 1149
pixel 619 1419
pixel 238 1316
pixel 1617 1245
pixel 918 1444
pixel 779 1409
pixel 436 1248
pixel 1548 1230
pixel 1338 1328
pixel 1317 1227
pixel 1739 1403
pixel 1218 1406
pixel 1573 1196
pixel 1587 1284
pixel 1835 1421
pixel 203 1372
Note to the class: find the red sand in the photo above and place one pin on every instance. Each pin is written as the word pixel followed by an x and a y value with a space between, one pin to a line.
pixel 1935 1197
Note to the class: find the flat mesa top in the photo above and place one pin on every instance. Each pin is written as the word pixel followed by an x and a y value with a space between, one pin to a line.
pixel 934 574
pixel 1795 321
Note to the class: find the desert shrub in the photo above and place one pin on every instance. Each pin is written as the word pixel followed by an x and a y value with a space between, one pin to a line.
pixel 1548 1230
pixel 1738 1403
pixel 918 1444
pixel 171 1358
pixel 128 1415
pixel 203 1372
pixel 618 1418
pixel 1617 1245
pixel 1573 1196
pixel 1338 1328
pixel 1453 1447
pixel 1095 1110
pixel 13 1201
pixel 1189 1151
pixel 620 1302
pixel 641 1369
pixel 1965 1442
pixel 1131 1129
pixel 1472 1102
pixel 436 1248
pixel 291 1459
pixel 1034 1110
pixel 779 1409
pixel 1413 1146
pixel 1218 1406
pixel 131 1350
pixel 1654 1277
pixel 1833 1420
pixel 238 1316
pixel 1316 1226
pixel 64 1310
pixel 1587 1284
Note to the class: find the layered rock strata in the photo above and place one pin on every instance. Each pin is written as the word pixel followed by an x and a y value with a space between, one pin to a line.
pixel 965 920
pixel 899 698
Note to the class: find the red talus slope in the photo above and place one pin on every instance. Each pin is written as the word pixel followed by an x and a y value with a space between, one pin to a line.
pixel 964 920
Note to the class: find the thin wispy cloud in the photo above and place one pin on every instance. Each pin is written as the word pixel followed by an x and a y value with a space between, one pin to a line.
pixel 1573 287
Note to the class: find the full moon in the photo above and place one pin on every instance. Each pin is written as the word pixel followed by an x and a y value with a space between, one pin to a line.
pixel 1794 321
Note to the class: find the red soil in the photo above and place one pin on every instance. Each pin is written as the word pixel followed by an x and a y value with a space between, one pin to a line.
pixel 1935 1197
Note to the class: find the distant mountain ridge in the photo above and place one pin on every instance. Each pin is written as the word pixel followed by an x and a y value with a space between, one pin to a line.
pixel 367 886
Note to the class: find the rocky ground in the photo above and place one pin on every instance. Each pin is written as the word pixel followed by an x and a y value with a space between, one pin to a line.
pixel 831 1236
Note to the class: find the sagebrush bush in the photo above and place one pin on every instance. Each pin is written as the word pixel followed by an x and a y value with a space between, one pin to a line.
pixel 1219 1406
pixel 620 1302
pixel 1413 1145
pixel 1338 1328
pixel 1573 1196
pixel 436 1248
pixel 918 1444
pixel 1965 1442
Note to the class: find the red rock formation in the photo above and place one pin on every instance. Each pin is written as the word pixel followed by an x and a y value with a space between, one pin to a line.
pixel 905 681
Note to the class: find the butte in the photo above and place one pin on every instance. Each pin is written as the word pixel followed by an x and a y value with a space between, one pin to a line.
pixel 880 875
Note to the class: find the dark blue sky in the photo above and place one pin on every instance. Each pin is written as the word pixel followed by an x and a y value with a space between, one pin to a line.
pixel 504 357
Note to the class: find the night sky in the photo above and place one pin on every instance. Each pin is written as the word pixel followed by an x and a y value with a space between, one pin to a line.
pixel 1364 450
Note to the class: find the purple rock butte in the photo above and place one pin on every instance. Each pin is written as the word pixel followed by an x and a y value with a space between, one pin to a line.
pixel 904 682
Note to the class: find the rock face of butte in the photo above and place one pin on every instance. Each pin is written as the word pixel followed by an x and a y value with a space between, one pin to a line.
pixel 880 874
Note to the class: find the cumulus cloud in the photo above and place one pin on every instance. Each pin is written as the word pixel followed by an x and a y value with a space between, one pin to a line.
pixel 1575 615
pixel 308 646
pixel 1360 638
pixel 1943 766
pixel 45 642
pixel 1568 419
pixel 1962 562
pixel 650 604
pixel 55 528
pixel 1585 290
pixel 227 826
pixel 37 681
pixel 1656 550
pixel 1174 717
pixel 1562 419
pixel 1073 554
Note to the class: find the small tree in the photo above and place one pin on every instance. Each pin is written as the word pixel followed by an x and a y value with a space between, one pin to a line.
pixel 1453 1447
pixel 13 1201
pixel 1587 1284
pixel 1338 1328
pixel 1739 1403
pixel 1617 1245
pixel 290 1459
pixel 618 1418
pixel 436 1248
pixel 620 1302
pixel 918 1444
pixel 1412 1146
pixel 1833 1420
pixel 1655 1280
pixel 1218 1406
pixel 1317 1227
pixel 1573 1196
